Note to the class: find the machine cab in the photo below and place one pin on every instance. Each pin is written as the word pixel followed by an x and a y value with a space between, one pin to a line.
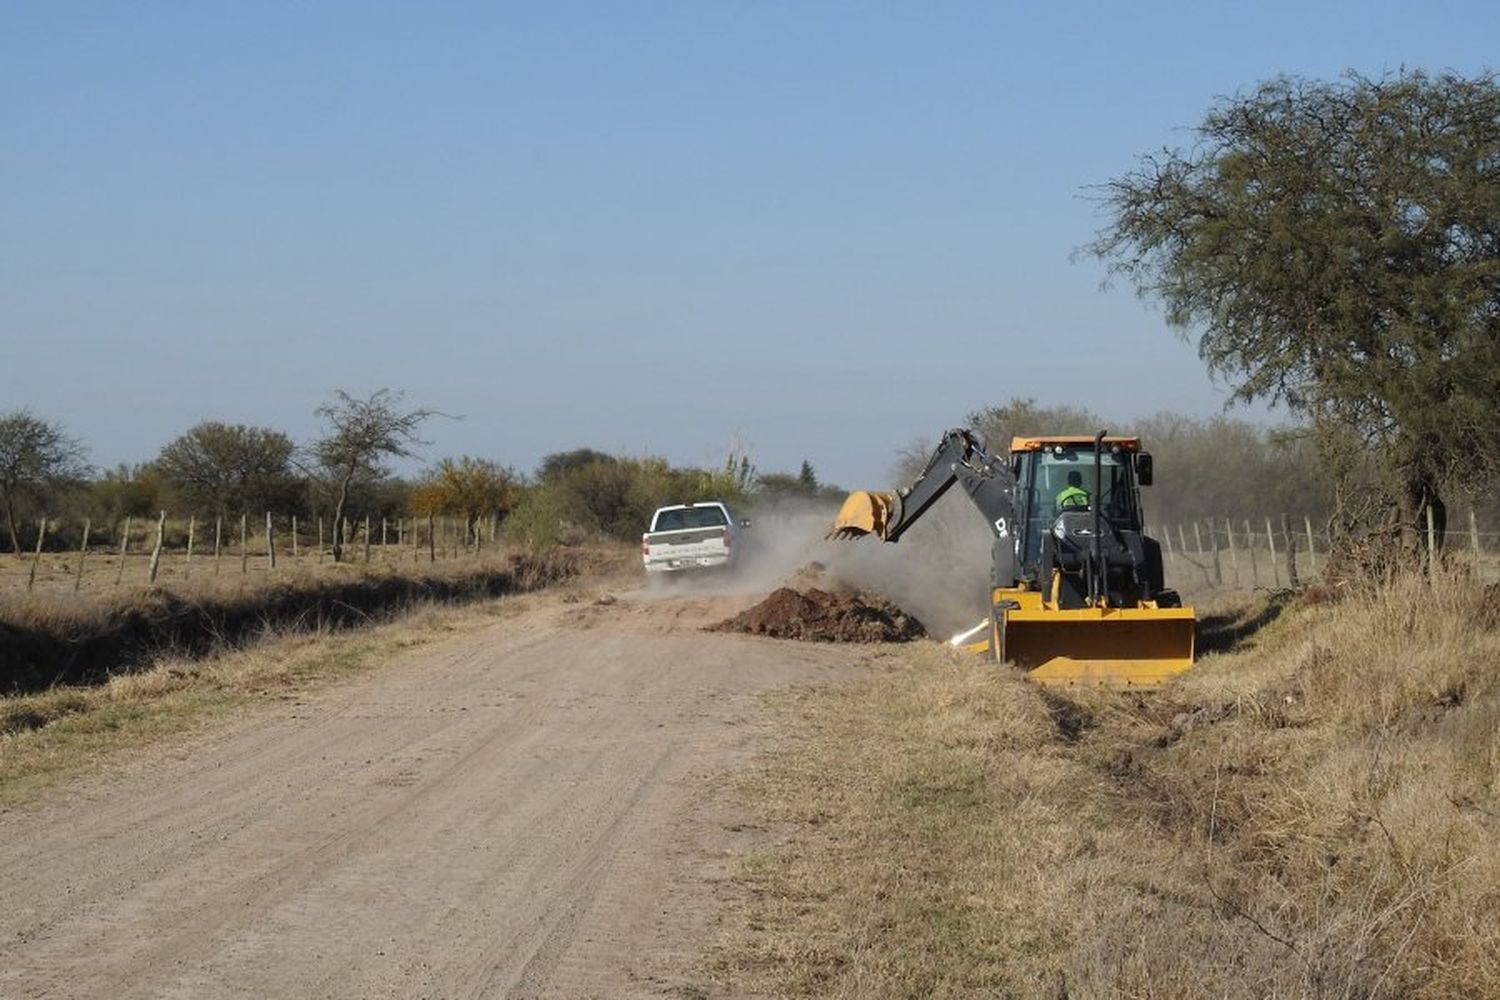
pixel 1056 482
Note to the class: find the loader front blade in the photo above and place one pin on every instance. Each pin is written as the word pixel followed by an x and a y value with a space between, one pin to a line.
pixel 1108 647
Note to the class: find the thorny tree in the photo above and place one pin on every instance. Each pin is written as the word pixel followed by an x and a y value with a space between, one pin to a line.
pixel 362 434
pixel 1338 246
pixel 35 456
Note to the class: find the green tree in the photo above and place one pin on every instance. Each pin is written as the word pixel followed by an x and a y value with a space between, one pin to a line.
pixel 360 435
pixel 1336 246
pixel 562 462
pixel 37 458
pixel 221 468
pixel 125 490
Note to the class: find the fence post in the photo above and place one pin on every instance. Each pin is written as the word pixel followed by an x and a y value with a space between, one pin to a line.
pixel 41 533
pixel 124 545
pixel 244 547
pixel 218 542
pixel 367 538
pixel 1312 549
pixel 161 535
pixel 1234 557
pixel 270 544
pixel 320 539
pixel 187 567
pixel 383 542
pixel 1213 541
pixel 1431 542
pixel 431 541
pixel 1249 537
pixel 400 533
pixel 83 552
pixel 1291 550
pixel 294 540
pixel 1474 534
pixel 1271 544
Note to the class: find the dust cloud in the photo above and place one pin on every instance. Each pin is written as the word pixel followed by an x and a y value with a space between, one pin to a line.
pixel 939 572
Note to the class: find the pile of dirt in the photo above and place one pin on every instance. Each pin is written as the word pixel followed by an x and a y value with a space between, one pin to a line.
pixel 815 615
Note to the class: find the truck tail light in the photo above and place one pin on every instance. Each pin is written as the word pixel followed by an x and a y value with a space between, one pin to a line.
pixel 728 538
pixel 645 546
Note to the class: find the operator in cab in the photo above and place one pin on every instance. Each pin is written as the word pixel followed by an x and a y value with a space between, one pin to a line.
pixel 1073 496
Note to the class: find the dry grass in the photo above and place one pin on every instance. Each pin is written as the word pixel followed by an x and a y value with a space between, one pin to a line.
pixel 67 731
pixel 48 639
pixel 1311 813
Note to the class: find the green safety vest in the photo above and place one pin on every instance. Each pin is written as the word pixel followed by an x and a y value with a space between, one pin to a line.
pixel 1072 496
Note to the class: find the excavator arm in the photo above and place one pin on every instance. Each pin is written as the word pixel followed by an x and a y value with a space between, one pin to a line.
pixel 958 458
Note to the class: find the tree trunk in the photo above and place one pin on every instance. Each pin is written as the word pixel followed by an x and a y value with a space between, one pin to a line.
pixel 1418 493
pixel 10 524
pixel 338 520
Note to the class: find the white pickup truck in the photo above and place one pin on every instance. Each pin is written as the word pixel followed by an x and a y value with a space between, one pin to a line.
pixel 691 536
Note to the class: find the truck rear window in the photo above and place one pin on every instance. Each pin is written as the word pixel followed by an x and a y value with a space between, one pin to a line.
pixel 690 517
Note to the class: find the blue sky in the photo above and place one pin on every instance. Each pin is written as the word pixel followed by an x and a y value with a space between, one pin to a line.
pixel 819 229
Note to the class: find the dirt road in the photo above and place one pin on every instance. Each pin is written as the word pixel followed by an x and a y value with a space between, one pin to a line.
pixel 518 812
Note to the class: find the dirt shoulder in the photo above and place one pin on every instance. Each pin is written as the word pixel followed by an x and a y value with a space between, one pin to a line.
pixel 514 811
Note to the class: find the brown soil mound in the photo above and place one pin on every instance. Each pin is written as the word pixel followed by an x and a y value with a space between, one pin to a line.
pixel 819 616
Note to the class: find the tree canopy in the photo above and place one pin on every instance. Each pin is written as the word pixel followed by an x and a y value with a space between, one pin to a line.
pixel 473 488
pixel 220 468
pixel 1337 246
pixel 35 455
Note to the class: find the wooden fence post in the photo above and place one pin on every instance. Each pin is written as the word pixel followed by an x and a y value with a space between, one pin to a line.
pixel 124 546
pixel 320 539
pixel 1431 542
pixel 270 544
pixel 187 566
pixel 1312 550
pixel 1291 550
pixel 161 535
pixel 1271 544
pixel 1181 541
pixel 383 542
pixel 244 543
pixel 83 552
pixel 218 542
pixel 400 532
pixel 1249 537
pixel 41 533
pixel 1474 534
pixel 1234 558
pixel 431 541
pixel 367 538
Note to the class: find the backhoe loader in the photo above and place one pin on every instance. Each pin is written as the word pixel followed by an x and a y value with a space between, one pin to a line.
pixel 1077 590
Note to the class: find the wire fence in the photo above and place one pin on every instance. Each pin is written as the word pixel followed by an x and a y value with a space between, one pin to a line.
pixel 163 549
pixel 1282 551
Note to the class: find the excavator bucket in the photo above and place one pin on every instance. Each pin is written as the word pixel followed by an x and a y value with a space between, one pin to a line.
pixel 864 513
pixel 1109 647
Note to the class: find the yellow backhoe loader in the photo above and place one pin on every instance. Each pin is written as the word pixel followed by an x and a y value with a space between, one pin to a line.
pixel 1077 589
